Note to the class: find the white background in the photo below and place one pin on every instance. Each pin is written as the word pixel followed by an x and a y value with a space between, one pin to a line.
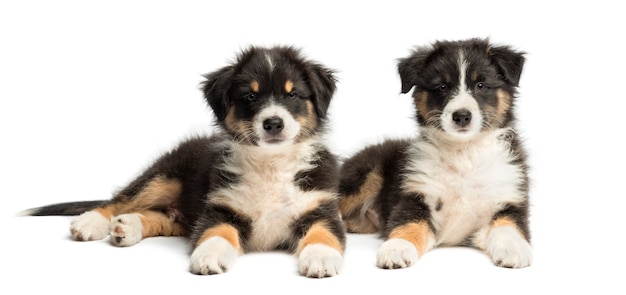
pixel 91 92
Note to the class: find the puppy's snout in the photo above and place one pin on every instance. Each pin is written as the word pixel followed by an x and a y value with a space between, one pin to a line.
pixel 273 125
pixel 462 117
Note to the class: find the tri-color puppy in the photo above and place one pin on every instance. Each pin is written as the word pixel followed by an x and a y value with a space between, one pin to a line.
pixel 264 181
pixel 463 180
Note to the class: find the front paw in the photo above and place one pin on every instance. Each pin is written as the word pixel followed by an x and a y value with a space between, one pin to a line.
pixel 507 248
pixel 396 253
pixel 126 230
pixel 89 226
pixel 214 256
pixel 319 261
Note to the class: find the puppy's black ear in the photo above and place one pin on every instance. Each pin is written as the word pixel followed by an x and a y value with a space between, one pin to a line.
pixel 409 67
pixel 407 72
pixel 323 84
pixel 509 63
pixel 215 90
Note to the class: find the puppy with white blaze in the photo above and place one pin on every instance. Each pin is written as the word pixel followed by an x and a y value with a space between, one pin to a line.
pixel 463 181
pixel 263 181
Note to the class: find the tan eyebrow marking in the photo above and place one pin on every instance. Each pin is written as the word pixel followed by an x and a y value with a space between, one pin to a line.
pixel 288 86
pixel 254 85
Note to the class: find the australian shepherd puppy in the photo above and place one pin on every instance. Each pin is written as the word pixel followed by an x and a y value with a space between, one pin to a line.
pixel 463 180
pixel 264 181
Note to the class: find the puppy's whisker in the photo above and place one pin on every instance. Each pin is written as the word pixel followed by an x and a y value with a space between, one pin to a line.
pixel 433 118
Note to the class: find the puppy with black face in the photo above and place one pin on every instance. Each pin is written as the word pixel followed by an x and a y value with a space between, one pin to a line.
pixel 263 181
pixel 463 180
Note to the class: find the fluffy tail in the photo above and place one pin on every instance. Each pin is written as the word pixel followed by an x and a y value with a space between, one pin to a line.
pixel 64 209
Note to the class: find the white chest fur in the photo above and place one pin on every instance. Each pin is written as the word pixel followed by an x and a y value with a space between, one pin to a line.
pixel 464 184
pixel 266 191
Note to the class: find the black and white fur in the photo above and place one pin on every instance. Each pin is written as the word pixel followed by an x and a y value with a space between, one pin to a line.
pixel 464 179
pixel 264 181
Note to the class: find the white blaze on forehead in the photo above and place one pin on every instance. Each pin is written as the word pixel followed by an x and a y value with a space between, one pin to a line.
pixel 462 100
pixel 462 73
pixel 270 61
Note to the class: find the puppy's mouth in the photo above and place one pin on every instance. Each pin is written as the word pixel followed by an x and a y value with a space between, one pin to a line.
pixel 273 139
pixel 461 130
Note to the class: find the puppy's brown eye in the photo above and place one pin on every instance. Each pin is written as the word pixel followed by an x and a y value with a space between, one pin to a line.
pixel 442 88
pixel 250 96
pixel 292 95
pixel 481 86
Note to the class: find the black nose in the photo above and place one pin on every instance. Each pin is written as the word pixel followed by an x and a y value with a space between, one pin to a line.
pixel 462 117
pixel 273 125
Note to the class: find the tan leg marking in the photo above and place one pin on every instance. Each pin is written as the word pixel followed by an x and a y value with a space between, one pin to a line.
pixel 107 211
pixel 320 234
pixel 158 224
pixel 503 221
pixel 226 231
pixel 159 192
pixel 506 221
pixel 358 222
pixel 418 234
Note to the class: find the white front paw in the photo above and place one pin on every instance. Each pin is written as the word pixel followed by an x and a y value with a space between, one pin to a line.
pixel 507 248
pixel 214 256
pixel 319 261
pixel 89 226
pixel 126 230
pixel 396 253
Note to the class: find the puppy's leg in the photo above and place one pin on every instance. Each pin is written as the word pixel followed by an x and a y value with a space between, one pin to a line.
pixel 128 229
pixel 320 251
pixel 356 202
pixel 505 243
pixel 405 245
pixel 365 183
pixel 141 195
pixel 93 224
pixel 409 234
pixel 216 250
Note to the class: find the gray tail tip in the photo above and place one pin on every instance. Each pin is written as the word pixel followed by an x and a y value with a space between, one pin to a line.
pixel 27 212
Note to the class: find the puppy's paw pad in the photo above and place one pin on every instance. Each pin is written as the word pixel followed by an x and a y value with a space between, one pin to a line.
pixel 213 256
pixel 507 248
pixel 126 230
pixel 319 261
pixel 89 226
pixel 396 253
